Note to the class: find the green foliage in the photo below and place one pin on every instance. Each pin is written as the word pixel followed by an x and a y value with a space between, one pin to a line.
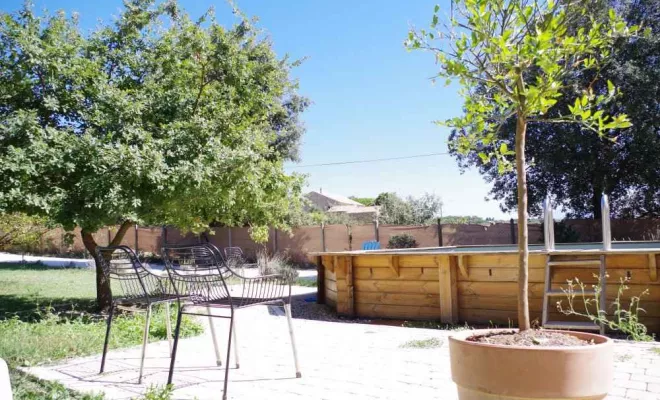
pixel 511 58
pixel 411 211
pixel 430 343
pixel 27 387
pixel 158 393
pixel 20 232
pixel 467 219
pixel 277 263
pixel 577 167
pixel 624 319
pixel 156 118
pixel 564 233
pixel 402 241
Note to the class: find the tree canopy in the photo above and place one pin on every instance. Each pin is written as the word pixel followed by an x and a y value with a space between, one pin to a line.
pixel 154 119
pixel 575 166
pixel 409 211
pixel 511 59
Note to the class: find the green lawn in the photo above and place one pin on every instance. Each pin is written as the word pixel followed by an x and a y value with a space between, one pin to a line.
pixel 47 315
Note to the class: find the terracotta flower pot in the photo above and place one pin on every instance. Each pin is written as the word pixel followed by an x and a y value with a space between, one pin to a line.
pixel 495 372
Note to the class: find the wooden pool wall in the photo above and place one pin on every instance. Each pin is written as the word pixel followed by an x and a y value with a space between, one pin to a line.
pixel 473 288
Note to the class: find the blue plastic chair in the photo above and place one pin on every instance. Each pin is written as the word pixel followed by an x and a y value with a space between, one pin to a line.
pixel 371 245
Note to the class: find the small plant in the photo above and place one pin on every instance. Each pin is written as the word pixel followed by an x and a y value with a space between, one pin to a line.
pixel 276 264
pixel 402 241
pixel 625 320
pixel 430 343
pixel 158 393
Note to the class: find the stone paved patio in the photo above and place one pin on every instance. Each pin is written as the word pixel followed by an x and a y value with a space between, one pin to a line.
pixel 338 361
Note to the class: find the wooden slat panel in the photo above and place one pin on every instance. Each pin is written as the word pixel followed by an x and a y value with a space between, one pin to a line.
pixel 342 306
pixel 500 274
pixel 330 285
pixel 497 289
pixel 332 303
pixel 350 289
pixel 409 261
pixel 502 260
pixel 341 268
pixel 372 261
pixel 636 276
pixel 633 290
pixel 627 261
pixel 331 295
pixel 391 311
pixel 420 274
pixel 402 299
pixel 508 303
pixel 330 276
pixel 391 286
pixel 536 290
pixel 503 319
pixel 447 288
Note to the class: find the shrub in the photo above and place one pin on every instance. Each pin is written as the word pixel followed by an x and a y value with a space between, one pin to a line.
pixel 402 241
pixel 624 320
pixel 276 264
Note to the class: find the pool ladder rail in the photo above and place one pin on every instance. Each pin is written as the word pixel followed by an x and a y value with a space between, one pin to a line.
pixel 548 293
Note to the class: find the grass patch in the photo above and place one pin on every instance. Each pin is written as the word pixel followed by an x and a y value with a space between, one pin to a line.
pixel 435 325
pixel 47 314
pixel 655 350
pixel 430 343
pixel 304 282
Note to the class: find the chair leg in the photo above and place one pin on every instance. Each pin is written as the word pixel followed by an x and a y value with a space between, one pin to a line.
pixel 176 343
pixel 233 331
pixel 107 338
pixel 287 310
pixel 168 325
pixel 145 341
pixel 218 357
pixel 231 326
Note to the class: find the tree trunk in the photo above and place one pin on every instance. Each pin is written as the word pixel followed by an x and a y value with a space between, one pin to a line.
pixel 523 239
pixel 595 203
pixel 103 293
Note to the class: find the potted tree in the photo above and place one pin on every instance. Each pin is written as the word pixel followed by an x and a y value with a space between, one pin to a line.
pixel 512 59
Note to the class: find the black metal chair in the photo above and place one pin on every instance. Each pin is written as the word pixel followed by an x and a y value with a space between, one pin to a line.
pixel 205 275
pixel 139 289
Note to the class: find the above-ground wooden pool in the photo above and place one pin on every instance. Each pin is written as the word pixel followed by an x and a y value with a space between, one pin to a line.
pixel 478 284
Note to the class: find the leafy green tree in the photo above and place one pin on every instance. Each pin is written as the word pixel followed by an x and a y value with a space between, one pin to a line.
pixel 410 211
pixel 577 167
pixel 21 232
pixel 511 59
pixel 154 119
pixel 393 209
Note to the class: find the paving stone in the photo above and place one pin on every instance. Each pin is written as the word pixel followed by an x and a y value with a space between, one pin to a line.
pixel 640 395
pixel 338 361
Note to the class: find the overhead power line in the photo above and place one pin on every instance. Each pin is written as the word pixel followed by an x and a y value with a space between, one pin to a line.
pixel 370 161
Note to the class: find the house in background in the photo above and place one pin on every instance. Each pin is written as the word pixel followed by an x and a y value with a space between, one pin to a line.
pixel 334 203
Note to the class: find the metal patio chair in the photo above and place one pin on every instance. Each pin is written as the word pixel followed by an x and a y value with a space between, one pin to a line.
pixel 202 270
pixel 140 289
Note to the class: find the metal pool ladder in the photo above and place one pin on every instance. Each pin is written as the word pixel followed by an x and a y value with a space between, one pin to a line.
pixel 554 262
pixel 557 260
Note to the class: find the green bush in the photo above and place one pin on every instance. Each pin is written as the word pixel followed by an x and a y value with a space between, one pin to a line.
pixel 402 241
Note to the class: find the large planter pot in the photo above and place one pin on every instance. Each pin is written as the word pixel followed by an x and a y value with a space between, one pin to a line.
pixel 495 372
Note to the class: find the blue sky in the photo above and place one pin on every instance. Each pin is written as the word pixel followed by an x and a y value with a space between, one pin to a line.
pixel 371 98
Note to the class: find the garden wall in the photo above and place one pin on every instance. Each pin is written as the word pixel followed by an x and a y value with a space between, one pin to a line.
pixel 306 239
